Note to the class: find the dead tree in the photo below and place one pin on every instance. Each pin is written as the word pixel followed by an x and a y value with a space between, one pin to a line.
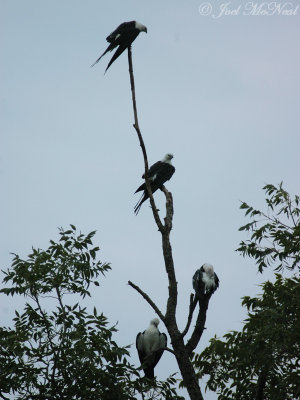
pixel 182 349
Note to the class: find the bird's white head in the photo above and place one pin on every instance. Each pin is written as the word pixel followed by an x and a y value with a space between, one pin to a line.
pixel 167 158
pixel 209 269
pixel 154 322
pixel 140 27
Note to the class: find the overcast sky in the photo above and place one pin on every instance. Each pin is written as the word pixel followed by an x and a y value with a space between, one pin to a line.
pixel 220 92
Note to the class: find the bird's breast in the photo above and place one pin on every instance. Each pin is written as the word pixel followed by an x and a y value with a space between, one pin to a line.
pixel 151 339
pixel 208 281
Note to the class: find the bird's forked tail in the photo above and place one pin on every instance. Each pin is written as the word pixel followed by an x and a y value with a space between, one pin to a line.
pixel 139 204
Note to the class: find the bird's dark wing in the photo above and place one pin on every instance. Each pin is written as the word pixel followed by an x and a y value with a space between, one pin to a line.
pixel 163 340
pixel 153 169
pixel 198 283
pixel 151 173
pixel 159 173
pixel 216 281
pixel 159 352
pixel 123 43
pixel 162 344
pixel 202 269
pixel 148 368
pixel 140 188
pixel 140 347
pixel 123 36
pixel 162 175
pixel 125 27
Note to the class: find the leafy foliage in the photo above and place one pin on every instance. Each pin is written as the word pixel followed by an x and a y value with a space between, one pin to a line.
pixel 275 239
pixel 264 357
pixel 61 351
pixel 262 361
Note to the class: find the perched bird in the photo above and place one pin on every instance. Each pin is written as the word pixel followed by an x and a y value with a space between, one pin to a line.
pixel 205 281
pixel 150 346
pixel 158 174
pixel 123 37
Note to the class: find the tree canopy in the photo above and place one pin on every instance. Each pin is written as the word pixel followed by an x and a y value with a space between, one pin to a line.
pixel 57 349
pixel 262 361
pixel 275 239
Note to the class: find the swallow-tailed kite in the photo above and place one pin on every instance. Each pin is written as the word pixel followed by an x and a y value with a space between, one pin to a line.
pixel 123 37
pixel 150 346
pixel 159 173
pixel 205 281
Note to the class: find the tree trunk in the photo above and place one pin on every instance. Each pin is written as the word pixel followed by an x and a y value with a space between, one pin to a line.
pixel 185 365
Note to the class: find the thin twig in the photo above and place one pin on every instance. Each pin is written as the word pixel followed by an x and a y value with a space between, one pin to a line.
pixel 142 144
pixel 170 350
pixel 199 326
pixel 149 301
pixel 165 230
pixel 193 303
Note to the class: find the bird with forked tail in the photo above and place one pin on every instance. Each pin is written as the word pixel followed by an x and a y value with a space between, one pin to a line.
pixel 122 36
pixel 158 174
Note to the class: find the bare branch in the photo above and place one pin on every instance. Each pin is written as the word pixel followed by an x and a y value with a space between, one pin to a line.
pixel 141 140
pixel 180 351
pixel 173 294
pixel 165 230
pixel 193 303
pixel 168 258
pixel 200 325
pixel 170 350
pixel 169 208
pixel 149 301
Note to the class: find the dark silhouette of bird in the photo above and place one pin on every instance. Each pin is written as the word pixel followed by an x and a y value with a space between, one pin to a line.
pixel 158 174
pixel 205 281
pixel 150 346
pixel 122 37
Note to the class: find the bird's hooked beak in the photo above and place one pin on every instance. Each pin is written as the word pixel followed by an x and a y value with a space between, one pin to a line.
pixel 146 30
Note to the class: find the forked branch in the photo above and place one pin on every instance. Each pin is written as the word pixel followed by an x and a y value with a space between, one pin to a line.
pixel 193 303
pixel 182 352
pixel 200 325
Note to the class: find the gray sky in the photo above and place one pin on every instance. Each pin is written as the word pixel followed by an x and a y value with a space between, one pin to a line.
pixel 221 94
